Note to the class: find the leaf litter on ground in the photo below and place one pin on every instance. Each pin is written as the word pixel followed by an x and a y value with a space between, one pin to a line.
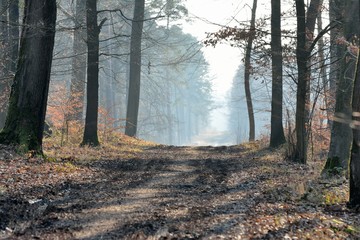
pixel 132 189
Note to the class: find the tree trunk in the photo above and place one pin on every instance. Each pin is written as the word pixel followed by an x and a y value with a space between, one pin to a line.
pixel 323 70
pixel 311 16
pixel 302 57
pixel 355 150
pixel 4 56
pixel 135 69
pixel 10 51
pixel 14 34
pixel 11 34
pixel 26 114
pixel 305 36
pixel 248 71
pixel 77 87
pixel 341 133
pixel 336 8
pixel 91 121
pixel 110 83
pixel 277 136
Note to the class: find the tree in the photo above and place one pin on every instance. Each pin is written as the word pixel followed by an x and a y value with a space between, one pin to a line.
pixel 237 125
pixel 9 38
pixel 175 90
pixel 301 56
pixel 248 71
pixel 305 44
pixel 26 114
pixel 277 136
pixel 336 10
pixel 341 133
pixel 93 31
pixel 77 87
pixel 14 34
pixel 3 62
pixel 135 69
pixel 355 150
pixel 323 70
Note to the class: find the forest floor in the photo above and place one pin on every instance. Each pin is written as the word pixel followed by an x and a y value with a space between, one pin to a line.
pixel 144 191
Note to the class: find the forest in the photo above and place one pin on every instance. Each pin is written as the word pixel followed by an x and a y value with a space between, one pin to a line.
pixel 106 121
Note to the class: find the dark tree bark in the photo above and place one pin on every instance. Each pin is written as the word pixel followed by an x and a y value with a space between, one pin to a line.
pixel 4 58
pixel 311 16
pixel 10 52
pixel 93 31
pixel 336 11
pixel 77 87
pixel 14 34
pixel 26 114
pixel 305 37
pixel 248 71
pixel 135 69
pixel 341 133
pixel 277 136
pixel 302 57
pixel 355 150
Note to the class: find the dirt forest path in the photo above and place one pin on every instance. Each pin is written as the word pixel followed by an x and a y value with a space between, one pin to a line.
pixel 169 192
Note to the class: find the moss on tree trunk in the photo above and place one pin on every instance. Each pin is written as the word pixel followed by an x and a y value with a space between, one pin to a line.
pixel 26 114
pixel 333 166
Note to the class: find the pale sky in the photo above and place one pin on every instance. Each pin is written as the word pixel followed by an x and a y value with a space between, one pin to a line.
pixel 223 59
pixel 206 16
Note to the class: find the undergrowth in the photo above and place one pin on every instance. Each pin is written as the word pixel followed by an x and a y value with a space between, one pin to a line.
pixel 116 146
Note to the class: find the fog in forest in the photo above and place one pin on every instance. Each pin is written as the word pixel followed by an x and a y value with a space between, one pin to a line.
pixel 190 94
pixel 225 74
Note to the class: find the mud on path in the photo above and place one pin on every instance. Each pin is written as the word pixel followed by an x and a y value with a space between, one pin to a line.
pixel 166 192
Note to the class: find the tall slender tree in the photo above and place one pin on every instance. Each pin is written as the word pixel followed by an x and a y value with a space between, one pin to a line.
pixel 77 88
pixel 336 11
pixel 305 44
pixel 28 99
pixel 135 69
pixel 323 69
pixel 301 56
pixel 9 50
pixel 93 31
pixel 311 15
pixel 247 72
pixel 355 150
pixel 4 59
pixel 277 136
